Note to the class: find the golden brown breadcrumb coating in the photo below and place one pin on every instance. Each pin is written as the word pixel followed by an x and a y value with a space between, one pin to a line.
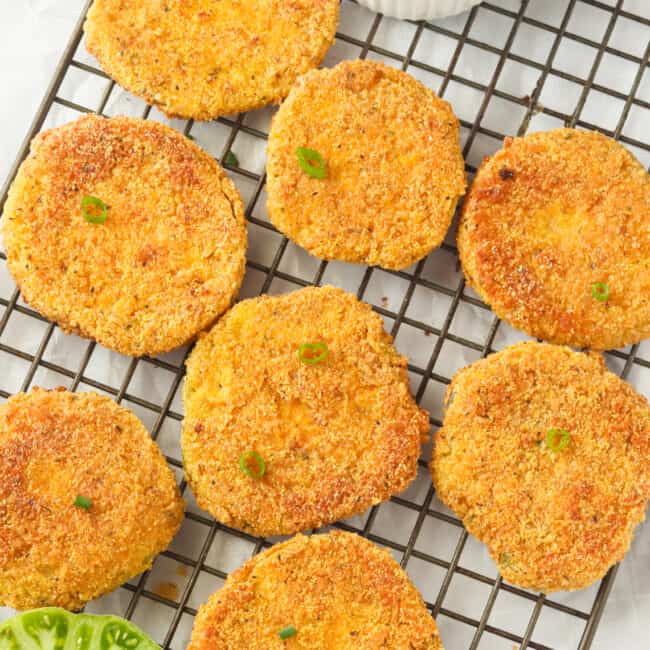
pixel 206 58
pixel 394 167
pixel 553 518
pixel 54 447
pixel 338 591
pixel 547 218
pixel 164 265
pixel 337 437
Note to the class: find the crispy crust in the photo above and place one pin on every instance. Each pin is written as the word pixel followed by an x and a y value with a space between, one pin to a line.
pixel 166 263
pixel 394 165
pixel 55 445
pixel 338 590
pixel 546 218
pixel 201 59
pixel 551 520
pixel 337 437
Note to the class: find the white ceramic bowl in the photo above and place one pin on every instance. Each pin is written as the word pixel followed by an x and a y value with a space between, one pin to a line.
pixel 419 9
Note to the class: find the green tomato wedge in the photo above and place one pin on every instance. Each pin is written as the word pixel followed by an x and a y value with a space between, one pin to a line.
pixel 52 628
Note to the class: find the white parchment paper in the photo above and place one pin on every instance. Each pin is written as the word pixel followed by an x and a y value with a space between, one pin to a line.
pixel 34 33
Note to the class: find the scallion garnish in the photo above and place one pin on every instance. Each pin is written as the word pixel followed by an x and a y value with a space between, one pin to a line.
pixel 93 217
pixel 313 352
pixel 231 159
pixel 600 291
pixel 557 439
pixel 287 632
pixel 259 466
pixel 311 162
pixel 83 502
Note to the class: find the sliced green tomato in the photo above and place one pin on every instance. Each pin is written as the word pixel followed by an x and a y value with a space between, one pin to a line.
pixel 121 634
pixel 83 636
pixel 52 628
pixel 46 628
pixel 8 639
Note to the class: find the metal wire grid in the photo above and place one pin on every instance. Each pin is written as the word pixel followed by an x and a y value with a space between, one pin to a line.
pixel 415 279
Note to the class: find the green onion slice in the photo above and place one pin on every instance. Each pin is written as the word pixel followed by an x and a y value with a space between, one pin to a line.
pixel 313 352
pixel 287 632
pixel 557 439
pixel 600 291
pixel 311 162
pixel 83 502
pixel 259 468
pixel 231 159
pixel 92 217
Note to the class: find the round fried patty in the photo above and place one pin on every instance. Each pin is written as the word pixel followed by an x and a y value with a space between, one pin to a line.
pixel 167 261
pixel 205 58
pixel 545 455
pixel 394 168
pixel 335 591
pixel 58 448
pixel 336 437
pixel 555 237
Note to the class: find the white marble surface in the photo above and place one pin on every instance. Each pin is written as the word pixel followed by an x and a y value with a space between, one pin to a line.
pixel 33 34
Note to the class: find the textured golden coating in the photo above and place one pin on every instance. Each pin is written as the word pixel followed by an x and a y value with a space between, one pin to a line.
pixel 546 218
pixel 55 446
pixel 394 165
pixel 206 58
pixel 552 520
pixel 338 590
pixel 336 436
pixel 170 256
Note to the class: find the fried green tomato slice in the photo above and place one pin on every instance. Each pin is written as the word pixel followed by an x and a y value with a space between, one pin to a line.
pixel 364 165
pixel 545 455
pixel 298 413
pixel 125 231
pixel 86 499
pixel 555 237
pixel 52 628
pixel 201 58
pixel 335 591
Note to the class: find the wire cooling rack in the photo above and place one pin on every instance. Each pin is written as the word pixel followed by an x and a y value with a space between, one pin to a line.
pixel 507 66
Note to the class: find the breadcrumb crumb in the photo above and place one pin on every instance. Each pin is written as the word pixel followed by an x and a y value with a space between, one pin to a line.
pixel 394 167
pixel 337 590
pixel 336 437
pixel 552 519
pixel 201 59
pixel 168 260
pixel 548 217
pixel 54 447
